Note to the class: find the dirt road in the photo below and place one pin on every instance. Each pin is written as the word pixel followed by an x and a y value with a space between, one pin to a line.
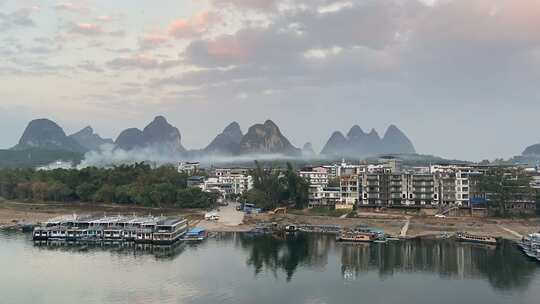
pixel 229 220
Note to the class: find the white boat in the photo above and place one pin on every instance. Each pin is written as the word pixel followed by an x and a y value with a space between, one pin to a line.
pixel 530 245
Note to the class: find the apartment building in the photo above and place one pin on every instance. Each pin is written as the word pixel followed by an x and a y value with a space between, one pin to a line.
pixel 316 176
pixel 239 183
pixel 350 186
pixel 323 196
pixel 455 182
pixel 405 189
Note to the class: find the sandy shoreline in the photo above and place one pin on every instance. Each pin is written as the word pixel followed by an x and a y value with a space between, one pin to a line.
pixel 16 213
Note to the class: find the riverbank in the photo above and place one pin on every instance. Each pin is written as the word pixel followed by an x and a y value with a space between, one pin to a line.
pixel 413 226
pixel 13 214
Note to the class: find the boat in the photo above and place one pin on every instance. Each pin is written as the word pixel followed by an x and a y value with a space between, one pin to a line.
pixel 168 231
pixel 154 230
pixel 27 227
pixel 195 235
pixel 291 228
pixel 467 237
pixel 355 236
pixel 530 246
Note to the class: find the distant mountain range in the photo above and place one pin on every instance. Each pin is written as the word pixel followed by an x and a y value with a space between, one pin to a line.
pixel 46 134
pixel 266 138
pixel 90 140
pixel 361 144
pixel 532 151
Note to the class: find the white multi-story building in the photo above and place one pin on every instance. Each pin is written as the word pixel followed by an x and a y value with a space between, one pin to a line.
pixel 315 176
pixel 322 196
pixel 188 167
pixel 229 181
pixel 458 175
pixel 350 187
pixel 239 183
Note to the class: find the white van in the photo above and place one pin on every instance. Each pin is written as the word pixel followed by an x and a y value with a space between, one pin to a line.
pixel 211 216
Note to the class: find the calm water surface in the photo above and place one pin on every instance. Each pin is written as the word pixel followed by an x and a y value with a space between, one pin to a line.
pixel 235 268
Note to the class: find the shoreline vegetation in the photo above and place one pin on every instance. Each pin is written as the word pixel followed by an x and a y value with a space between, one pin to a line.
pixel 128 185
pixel 14 213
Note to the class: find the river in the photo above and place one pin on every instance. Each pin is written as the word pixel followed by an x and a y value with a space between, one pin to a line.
pixel 237 268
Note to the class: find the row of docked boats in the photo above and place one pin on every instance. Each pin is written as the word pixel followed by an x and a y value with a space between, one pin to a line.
pixel 367 235
pixel 151 230
pixel 530 245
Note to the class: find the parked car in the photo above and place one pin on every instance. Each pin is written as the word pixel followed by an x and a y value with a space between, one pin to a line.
pixel 211 216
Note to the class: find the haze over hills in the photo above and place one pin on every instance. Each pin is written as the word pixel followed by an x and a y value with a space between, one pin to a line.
pixel 159 135
pixel 161 140
pixel 90 140
pixel 357 143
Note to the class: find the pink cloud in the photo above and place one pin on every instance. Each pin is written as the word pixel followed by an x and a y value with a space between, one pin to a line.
pixel 151 41
pixel 195 26
pixel 86 29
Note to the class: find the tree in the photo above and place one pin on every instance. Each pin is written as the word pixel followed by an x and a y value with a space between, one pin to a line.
pixel 502 186
pixel 273 189
pixel 86 191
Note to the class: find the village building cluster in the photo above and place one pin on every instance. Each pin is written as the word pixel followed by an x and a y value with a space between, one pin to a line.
pixel 384 184
pixel 225 181
pixel 388 184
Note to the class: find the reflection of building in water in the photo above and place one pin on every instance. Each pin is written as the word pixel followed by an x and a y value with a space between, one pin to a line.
pixel 318 249
pixel 126 248
pixel 354 259
pixel 446 258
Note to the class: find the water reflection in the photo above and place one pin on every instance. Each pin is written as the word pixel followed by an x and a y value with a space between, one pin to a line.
pixel 286 252
pixel 503 266
pixel 161 252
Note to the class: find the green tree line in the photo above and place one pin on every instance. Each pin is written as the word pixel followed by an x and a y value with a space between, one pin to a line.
pixel 275 188
pixel 137 184
pixel 503 186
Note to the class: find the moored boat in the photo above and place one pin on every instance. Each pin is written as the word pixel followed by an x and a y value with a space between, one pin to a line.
pixel 291 228
pixel 196 235
pixel 355 236
pixel 467 237
pixel 530 246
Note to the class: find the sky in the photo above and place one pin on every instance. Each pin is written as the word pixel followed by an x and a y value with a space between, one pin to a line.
pixel 459 77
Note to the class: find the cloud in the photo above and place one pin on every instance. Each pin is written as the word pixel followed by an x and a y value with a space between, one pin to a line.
pixel 90 66
pixel 453 48
pixel 72 7
pixel 261 5
pixel 19 18
pixel 86 29
pixel 152 41
pixel 142 62
pixel 195 26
